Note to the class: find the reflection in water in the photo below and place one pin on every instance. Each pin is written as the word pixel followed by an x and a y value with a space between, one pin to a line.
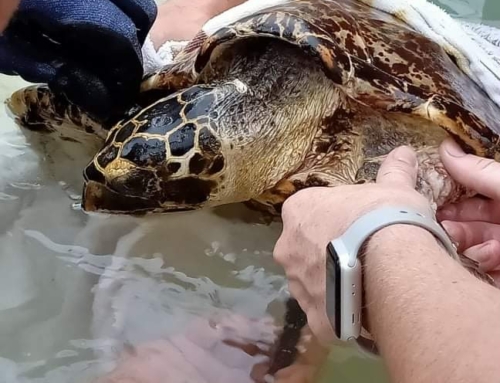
pixel 119 282
pixel 157 297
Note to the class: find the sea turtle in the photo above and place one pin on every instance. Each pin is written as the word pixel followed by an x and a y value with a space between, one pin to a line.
pixel 305 93
pixel 298 94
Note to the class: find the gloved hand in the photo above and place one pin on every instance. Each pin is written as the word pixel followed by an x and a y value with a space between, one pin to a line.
pixel 87 50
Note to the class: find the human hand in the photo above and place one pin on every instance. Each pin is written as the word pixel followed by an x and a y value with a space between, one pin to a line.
pixel 313 217
pixel 88 51
pixel 232 349
pixel 474 223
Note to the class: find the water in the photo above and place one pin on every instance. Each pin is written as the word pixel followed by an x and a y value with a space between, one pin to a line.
pixel 78 290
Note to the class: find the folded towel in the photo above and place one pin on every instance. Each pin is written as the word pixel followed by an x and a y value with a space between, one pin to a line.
pixel 476 47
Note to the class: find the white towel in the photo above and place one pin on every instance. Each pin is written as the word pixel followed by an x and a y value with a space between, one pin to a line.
pixel 476 47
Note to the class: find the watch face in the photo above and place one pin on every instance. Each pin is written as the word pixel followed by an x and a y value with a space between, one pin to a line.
pixel 333 285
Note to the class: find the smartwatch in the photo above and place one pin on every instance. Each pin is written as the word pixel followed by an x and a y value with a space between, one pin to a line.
pixel 344 284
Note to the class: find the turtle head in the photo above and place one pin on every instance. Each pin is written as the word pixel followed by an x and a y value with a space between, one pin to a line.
pixel 168 157
pixel 229 140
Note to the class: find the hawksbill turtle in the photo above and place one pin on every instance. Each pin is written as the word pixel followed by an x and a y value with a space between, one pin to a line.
pixel 304 93
pixel 299 94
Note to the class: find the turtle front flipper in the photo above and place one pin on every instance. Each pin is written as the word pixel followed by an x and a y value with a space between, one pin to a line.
pixel 36 109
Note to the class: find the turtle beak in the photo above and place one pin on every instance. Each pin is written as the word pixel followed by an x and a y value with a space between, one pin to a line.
pixel 99 198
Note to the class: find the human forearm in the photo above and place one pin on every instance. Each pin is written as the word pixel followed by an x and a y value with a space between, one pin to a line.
pixel 432 320
pixel 180 20
pixel 7 8
pixel 411 282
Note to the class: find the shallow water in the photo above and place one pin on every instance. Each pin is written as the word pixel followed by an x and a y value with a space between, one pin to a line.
pixel 78 289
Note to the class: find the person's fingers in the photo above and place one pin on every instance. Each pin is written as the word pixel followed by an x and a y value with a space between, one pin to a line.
pixel 473 209
pixel 476 173
pixel 399 168
pixel 487 254
pixel 468 234
pixel 252 335
pixel 281 252
pixel 318 322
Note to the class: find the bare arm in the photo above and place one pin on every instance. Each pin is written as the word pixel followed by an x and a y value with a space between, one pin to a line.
pixel 7 8
pixel 180 20
pixel 432 320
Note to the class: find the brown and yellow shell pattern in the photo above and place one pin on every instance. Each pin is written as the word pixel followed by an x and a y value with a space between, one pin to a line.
pixel 373 57
pixel 380 61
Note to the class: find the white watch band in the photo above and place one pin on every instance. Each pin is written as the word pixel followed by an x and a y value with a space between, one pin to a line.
pixel 358 233
pixel 367 225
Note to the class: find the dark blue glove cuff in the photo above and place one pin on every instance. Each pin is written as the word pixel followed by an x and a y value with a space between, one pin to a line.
pixel 88 50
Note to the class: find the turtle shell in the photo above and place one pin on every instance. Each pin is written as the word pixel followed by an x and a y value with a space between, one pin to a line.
pixel 376 58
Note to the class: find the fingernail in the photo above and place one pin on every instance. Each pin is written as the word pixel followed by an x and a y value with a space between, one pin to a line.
pixel 447 212
pixel 482 254
pixel 452 148
pixel 405 154
pixel 450 228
